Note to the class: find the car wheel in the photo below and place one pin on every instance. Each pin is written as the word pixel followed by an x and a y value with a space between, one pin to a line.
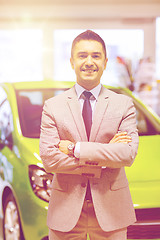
pixel 11 224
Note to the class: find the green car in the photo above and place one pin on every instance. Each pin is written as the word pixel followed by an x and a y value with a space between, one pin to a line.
pixel 24 184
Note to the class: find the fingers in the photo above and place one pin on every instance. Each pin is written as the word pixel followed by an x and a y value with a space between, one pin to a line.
pixel 121 137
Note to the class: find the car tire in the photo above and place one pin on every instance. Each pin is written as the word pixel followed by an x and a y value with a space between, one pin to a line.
pixel 12 229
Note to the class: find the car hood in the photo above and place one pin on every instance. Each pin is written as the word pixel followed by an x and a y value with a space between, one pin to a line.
pixel 145 167
pixel 28 150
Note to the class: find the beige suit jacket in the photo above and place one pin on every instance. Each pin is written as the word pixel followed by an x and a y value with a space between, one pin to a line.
pixel 61 120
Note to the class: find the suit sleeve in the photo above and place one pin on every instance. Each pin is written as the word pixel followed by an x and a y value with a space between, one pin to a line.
pixel 114 155
pixel 53 159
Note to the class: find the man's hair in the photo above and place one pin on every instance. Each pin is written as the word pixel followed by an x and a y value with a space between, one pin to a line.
pixel 88 35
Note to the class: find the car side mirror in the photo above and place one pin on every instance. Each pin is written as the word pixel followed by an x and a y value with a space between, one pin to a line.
pixel 4 143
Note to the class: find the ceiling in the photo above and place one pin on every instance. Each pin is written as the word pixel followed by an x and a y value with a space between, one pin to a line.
pixel 74 2
pixel 79 9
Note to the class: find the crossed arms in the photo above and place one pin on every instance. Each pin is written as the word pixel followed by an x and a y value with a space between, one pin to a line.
pixel 119 152
pixel 120 137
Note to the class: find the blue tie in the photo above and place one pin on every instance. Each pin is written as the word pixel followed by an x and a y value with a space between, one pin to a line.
pixel 87 112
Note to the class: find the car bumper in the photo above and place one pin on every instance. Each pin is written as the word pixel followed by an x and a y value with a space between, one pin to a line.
pixel 147 225
pixel 33 214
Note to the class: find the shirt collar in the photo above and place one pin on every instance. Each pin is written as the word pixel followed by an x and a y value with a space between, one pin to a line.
pixel 95 91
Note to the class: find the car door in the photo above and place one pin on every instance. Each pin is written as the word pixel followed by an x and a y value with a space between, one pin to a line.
pixel 144 177
pixel 5 133
pixel 6 153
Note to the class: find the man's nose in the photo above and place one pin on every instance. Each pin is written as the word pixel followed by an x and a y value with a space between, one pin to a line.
pixel 89 61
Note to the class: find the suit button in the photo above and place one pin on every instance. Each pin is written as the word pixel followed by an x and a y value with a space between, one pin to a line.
pixel 83 185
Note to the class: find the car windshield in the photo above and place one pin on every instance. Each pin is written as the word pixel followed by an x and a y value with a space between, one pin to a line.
pixel 30 106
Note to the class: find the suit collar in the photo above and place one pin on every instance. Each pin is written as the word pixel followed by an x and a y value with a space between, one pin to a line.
pixel 95 91
pixel 99 112
pixel 100 109
pixel 75 110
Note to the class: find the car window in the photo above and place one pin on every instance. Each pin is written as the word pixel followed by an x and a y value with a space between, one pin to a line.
pixel 6 121
pixel 3 95
pixel 30 106
pixel 143 124
pixel 145 121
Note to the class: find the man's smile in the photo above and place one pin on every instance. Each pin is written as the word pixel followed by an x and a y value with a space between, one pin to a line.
pixel 88 70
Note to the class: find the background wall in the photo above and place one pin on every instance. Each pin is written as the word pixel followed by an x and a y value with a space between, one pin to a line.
pixel 49 15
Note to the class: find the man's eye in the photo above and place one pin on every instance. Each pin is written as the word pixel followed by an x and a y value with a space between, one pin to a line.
pixel 96 56
pixel 82 56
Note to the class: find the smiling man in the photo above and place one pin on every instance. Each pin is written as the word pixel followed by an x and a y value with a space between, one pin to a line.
pixel 89 61
pixel 88 136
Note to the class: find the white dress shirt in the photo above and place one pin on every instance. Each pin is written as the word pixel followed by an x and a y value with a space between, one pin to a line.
pixel 93 99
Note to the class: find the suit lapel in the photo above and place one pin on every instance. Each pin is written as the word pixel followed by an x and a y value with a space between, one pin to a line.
pixel 75 110
pixel 99 112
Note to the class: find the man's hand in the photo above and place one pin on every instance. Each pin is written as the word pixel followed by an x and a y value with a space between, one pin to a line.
pixel 121 137
pixel 63 146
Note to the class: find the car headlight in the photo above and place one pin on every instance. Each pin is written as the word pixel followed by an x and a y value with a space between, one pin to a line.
pixel 41 182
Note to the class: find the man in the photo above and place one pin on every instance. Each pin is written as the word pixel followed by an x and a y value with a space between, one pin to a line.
pixel 86 140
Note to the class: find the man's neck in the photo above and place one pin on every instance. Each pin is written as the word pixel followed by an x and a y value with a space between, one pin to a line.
pixel 87 86
pixel 95 91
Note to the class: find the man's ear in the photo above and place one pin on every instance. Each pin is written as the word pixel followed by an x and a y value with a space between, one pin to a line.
pixel 105 65
pixel 72 63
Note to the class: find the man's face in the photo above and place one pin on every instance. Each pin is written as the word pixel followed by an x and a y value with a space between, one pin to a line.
pixel 89 62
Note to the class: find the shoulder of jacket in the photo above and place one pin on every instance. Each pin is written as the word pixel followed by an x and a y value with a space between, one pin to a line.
pixel 118 96
pixel 58 98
